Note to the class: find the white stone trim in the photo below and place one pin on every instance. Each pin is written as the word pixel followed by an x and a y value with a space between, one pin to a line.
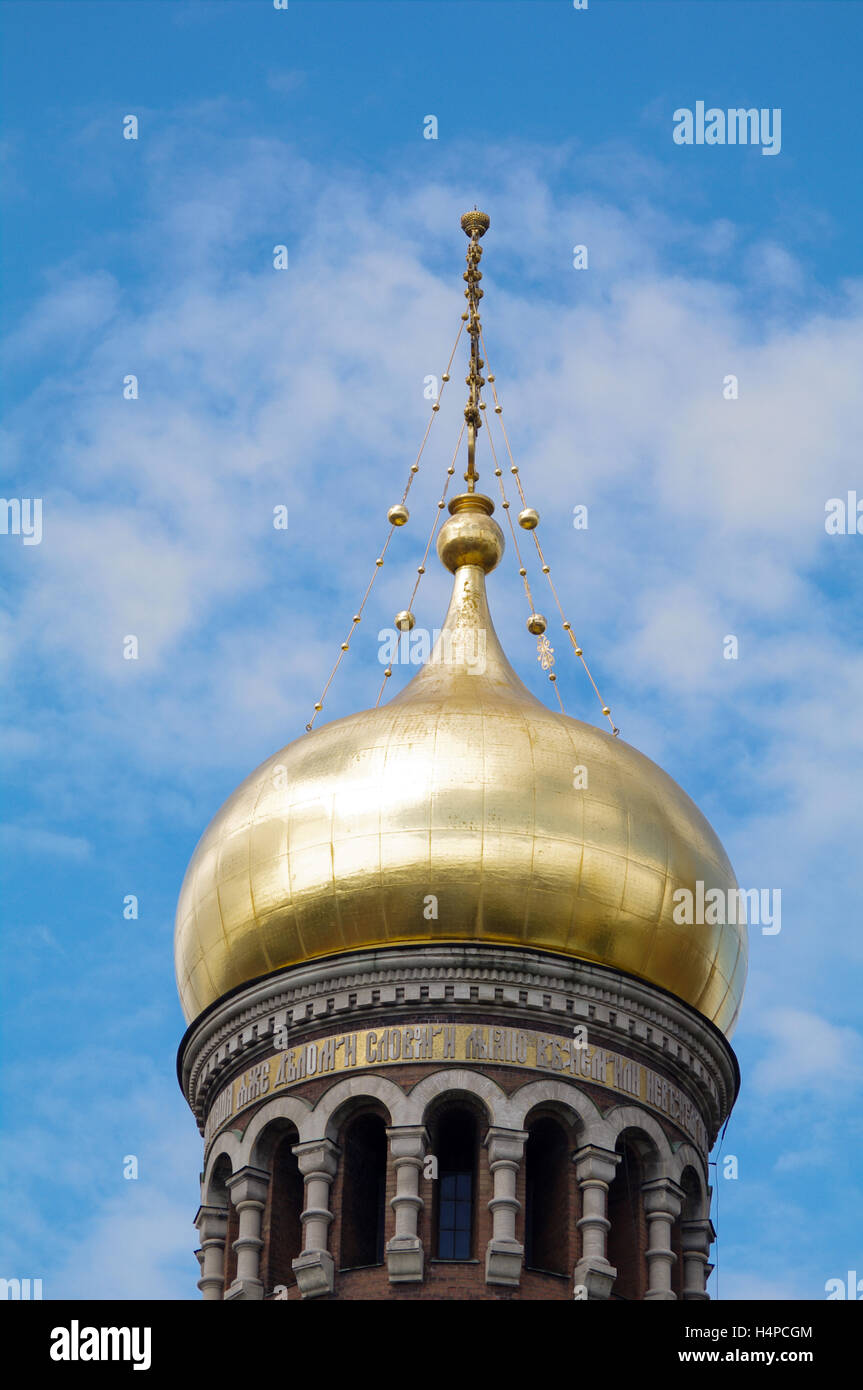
pixel 582 1112
pixel 624 1117
pixel 523 988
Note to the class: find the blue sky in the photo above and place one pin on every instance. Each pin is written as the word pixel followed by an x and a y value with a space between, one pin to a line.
pixel 305 388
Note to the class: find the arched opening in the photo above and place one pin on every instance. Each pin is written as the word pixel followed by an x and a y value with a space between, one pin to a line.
pixel 627 1237
pixel 219 1196
pixel 690 1210
pixel 364 1156
pixel 455 1147
pixel 282 1225
pixel 547 1184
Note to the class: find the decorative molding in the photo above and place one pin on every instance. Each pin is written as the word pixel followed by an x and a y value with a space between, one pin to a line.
pixel 518 988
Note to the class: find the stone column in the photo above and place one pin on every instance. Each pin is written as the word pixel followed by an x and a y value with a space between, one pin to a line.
pixel 405 1252
pixel 595 1169
pixel 248 1189
pixel 504 1255
pixel 663 1200
pixel 697 1238
pixel 212 1224
pixel 318 1160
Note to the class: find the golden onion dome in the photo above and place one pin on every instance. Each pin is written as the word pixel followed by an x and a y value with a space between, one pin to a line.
pixel 458 812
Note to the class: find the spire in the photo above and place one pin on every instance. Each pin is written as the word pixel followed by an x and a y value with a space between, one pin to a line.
pixel 474 225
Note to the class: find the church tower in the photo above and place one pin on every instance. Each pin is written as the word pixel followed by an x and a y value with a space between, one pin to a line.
pixel 449 1036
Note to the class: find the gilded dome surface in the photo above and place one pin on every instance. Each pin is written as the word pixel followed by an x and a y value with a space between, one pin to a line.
pixel 455 813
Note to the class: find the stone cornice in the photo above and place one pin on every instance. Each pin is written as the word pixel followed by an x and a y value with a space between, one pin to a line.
pixel 525 988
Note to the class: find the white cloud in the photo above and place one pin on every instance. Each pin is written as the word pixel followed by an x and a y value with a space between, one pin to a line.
pixel 807 1052
pixel 33 840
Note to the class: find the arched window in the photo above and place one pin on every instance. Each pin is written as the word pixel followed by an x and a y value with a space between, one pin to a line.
pixel 364 1145
pixel 627 1238
pixel 547 1197
pixel 283 1230
pixel 456 1188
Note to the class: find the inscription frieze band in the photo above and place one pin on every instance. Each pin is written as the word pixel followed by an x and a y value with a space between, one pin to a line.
pixel 455 1044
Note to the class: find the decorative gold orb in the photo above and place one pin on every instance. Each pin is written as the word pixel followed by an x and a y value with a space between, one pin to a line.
pixel 398 515
pixel 475 223
pixel 470 536
pixel 528 519
pixel 404 620
pixel 536 624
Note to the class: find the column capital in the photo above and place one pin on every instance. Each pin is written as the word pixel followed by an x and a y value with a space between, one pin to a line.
pixel 663 1197
pixel 698 1235
pixel 408 1141
pixel 593 1164
pixel 505 1145
pixel 248 1185
pixel 317 1156
pixel 211 1222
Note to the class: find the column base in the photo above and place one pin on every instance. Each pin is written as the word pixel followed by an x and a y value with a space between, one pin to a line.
pixel 246 1290
pixel 660 1296
pixel 503 1261
pixel 405 1260
pixel 315 1273
pixel 597 1276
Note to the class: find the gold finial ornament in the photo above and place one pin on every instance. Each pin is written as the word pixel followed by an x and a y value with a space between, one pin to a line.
pixel 475 225
pixel 528 519
pixel 404 620
pixel 398 515
pixel 470 536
